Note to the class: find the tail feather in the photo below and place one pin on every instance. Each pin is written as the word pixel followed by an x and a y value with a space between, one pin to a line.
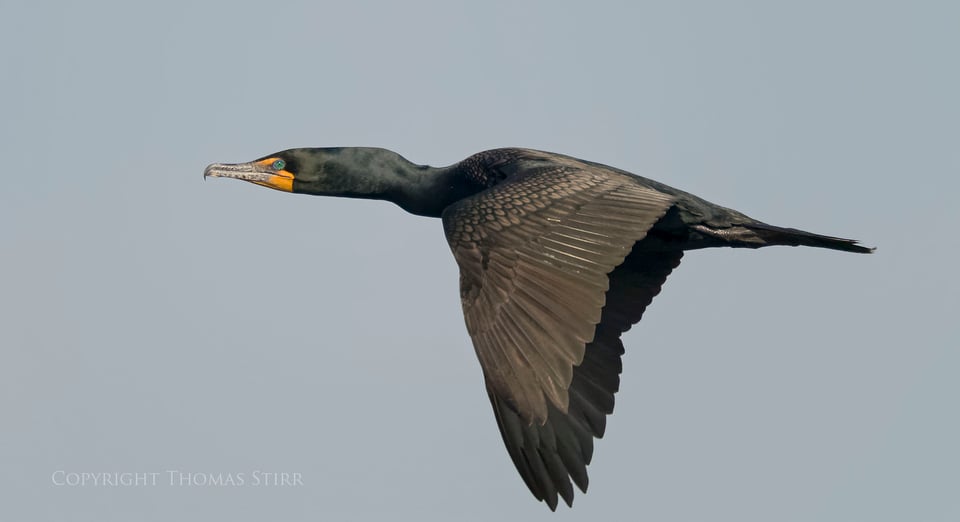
pixel 790 236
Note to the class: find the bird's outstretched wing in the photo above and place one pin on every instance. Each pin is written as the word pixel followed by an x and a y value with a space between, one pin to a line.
pixel 534 253
pixel 547 454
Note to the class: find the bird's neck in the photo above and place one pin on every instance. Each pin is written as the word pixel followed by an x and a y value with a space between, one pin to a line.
pixel 425 190
pixel 371 173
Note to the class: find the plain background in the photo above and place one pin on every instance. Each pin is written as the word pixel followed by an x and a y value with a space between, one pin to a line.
pixel 151 321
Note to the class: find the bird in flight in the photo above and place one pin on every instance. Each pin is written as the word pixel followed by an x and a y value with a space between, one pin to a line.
pixel 558 258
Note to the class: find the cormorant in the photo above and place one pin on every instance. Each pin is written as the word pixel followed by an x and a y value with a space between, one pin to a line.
pixel 558 257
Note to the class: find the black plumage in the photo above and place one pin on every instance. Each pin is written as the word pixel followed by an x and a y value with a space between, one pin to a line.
pixel 558 257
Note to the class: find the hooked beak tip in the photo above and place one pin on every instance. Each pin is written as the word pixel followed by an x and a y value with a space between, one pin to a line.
pixel 210 171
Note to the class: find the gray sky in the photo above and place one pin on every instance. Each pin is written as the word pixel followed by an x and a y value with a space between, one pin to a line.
pixel 153 322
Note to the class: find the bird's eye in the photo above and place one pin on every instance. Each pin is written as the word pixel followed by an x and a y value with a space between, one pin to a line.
pixel 279 164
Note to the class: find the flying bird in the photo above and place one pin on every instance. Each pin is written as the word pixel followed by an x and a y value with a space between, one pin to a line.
pixel 558 257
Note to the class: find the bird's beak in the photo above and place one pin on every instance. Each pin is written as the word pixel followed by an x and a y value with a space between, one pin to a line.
pixel 258 172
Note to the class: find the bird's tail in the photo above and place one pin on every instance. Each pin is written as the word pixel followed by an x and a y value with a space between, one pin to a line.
pixel 790 236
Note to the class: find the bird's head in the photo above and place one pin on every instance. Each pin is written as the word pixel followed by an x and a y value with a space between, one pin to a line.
pixel 331 171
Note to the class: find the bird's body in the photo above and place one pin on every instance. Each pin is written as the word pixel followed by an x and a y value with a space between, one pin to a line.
pixel 558 257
